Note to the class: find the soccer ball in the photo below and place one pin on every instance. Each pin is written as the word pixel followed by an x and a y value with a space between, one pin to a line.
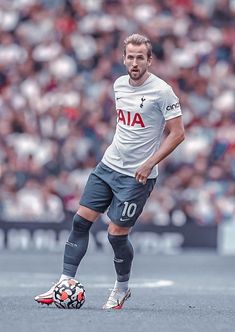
pixel 69 294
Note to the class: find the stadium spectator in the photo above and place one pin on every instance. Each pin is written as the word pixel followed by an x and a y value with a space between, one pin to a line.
pixel 57 113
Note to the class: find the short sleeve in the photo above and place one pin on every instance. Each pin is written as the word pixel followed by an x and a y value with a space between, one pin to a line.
pixel 169 104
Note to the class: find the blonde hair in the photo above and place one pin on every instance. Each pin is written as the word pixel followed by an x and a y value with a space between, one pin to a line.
pixel 137 39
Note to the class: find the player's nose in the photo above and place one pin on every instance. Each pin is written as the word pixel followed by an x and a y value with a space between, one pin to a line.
pixel 134 63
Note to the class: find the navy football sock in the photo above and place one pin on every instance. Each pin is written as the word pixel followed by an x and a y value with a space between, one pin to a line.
pixel 76 246
pixel 123 256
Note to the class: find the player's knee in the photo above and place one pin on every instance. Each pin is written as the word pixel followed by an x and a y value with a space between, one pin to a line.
pixel 81 224
pixel 117 230
pixel 87 213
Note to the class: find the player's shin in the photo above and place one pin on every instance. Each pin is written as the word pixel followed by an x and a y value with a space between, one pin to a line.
pixel 123 256
pixel 76 246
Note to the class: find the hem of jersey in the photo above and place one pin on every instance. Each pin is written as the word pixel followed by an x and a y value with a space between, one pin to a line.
pixel 116 169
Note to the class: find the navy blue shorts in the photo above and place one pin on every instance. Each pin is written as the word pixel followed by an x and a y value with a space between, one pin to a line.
pixel 122 195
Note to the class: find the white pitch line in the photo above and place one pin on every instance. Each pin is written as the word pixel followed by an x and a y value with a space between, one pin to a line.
pixel 144 284
pixel 154 284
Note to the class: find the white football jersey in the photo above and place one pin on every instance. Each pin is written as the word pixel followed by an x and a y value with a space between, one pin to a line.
pixel 141 115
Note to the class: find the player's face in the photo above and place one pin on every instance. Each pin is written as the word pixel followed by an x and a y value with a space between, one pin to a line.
pixel 137 62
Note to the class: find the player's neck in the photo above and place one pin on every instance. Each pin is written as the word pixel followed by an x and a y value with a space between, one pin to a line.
pixel 140 81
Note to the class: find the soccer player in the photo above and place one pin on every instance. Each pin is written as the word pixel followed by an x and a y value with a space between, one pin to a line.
pixel 126 175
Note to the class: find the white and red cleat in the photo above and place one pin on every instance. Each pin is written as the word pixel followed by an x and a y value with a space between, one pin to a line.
pixel 117 298
pixel 47 297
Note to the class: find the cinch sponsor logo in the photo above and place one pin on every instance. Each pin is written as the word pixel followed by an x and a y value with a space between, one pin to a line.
pixel 129 119
pixel 173 106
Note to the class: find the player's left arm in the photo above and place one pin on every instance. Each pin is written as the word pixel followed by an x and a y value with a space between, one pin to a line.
pixel 174 137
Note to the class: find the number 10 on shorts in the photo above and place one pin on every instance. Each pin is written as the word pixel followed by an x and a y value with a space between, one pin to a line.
pixel 129 209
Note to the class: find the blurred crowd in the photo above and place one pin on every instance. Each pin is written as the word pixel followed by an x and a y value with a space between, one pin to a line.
pixel 58 61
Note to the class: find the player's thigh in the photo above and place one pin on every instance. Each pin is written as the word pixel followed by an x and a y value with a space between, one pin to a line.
pixel 128 202
pixel 97 194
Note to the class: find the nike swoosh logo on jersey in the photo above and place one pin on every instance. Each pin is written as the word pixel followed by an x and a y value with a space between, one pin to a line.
pixel 118 98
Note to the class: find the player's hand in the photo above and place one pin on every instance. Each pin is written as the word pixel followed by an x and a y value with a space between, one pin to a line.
pixel 142 173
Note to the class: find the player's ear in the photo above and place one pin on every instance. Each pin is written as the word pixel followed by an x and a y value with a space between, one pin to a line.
pixel 150 61
pixel 124 58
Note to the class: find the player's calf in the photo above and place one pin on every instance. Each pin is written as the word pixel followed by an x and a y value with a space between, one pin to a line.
pixel 123 255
